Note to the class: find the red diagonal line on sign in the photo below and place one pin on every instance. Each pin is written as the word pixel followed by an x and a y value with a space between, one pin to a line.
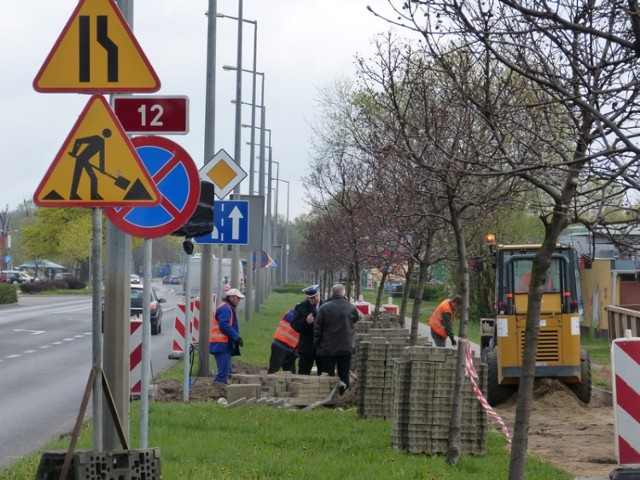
pixel 631 349
pixel 136 356
pixel 628 454
pixel 159 176
pixel 628 399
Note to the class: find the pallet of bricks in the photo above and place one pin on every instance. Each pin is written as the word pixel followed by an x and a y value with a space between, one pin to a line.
pixel 378 341
pixel 423 389
pixel 282 389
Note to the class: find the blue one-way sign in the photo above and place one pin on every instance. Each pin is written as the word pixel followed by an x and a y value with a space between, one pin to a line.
pixel 230 223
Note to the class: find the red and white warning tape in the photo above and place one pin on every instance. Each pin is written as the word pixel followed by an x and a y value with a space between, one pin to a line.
pixel 470 372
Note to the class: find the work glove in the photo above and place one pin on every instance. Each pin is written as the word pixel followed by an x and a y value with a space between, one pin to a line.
pixel 453 341
pixel 240 342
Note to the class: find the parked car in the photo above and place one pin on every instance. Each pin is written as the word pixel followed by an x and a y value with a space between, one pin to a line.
pixel 171 280
pixel 63 275
pixel 16 276
pixel 135 278
pixel 155 307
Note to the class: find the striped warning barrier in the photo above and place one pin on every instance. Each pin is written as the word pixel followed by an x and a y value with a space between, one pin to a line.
pixel 625 364
pixel 470 371
pixel 179 330
pixel 135 356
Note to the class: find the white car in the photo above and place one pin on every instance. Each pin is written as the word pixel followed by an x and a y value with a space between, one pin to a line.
pixel 135 278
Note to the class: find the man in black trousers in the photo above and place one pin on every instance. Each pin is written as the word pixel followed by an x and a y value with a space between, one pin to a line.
pixel 334 336
pixel 304 316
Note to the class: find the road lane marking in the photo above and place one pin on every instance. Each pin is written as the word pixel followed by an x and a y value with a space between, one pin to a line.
pixel 32 332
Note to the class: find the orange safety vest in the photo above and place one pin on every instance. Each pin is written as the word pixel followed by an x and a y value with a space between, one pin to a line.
pixel 215 334
pixel 286 334
pixel 436 322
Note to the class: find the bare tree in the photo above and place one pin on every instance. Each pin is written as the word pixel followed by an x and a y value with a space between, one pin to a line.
pixel 573 120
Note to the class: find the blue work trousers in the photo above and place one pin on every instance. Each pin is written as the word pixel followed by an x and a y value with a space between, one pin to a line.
pixel 223 365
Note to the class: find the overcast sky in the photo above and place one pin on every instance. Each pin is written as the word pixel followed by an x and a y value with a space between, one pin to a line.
pixel 302 45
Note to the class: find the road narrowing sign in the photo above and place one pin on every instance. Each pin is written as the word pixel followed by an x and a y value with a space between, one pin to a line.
pixel 97 53
pixel 97 166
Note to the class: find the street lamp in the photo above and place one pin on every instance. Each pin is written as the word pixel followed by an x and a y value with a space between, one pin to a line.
pixel 253 90
pixel 285 253
pixel 253 112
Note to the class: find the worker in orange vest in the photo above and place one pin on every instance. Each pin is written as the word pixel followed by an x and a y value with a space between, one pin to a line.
pixel 224 335
pixel 442 319
pixel 284 346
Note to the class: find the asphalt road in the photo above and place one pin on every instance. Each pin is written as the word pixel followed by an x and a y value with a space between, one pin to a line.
pixel 45 361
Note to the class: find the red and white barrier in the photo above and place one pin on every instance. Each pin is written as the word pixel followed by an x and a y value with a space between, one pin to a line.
pixel 470 371
pixel 625 363
pixel 135 356
pixel 363 307
pixel 177 346
pixel 393 309
pixel 179 325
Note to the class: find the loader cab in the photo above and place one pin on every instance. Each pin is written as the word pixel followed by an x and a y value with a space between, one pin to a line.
pixel 560 290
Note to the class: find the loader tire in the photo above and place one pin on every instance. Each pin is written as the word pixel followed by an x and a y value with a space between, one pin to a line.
pixel 496 393
pixel 582 390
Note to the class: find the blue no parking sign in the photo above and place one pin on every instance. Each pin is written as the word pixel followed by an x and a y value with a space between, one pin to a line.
pixel 178 181
pixel 230 223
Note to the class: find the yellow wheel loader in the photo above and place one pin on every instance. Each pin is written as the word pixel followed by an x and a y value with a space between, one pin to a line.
pixel 503 337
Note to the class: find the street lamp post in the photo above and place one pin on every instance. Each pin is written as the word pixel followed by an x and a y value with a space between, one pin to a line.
pixel 253 93
pixel 258 290
pixel 285 249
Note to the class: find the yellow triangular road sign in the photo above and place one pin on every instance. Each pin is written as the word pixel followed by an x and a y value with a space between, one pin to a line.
pixel 97 166
pixel 96 52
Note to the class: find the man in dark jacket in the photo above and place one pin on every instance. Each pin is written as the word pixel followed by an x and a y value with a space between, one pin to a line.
pixel 303 318
pixel 333 335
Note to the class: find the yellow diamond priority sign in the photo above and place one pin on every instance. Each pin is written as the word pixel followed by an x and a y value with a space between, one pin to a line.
pixel 97 53
pixel 223 172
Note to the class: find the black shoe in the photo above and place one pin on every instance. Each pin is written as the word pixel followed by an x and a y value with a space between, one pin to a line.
pixel 343 388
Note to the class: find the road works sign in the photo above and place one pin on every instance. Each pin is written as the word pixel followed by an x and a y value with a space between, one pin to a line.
pixel 96 52
pixel 223 172
pixel 97 166
pixel 176 175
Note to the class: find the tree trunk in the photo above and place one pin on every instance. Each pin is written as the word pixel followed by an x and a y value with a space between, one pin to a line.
pixel 454 448
pixel 407 288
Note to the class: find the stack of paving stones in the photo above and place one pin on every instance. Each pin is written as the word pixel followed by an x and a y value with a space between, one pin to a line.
pixel 282 389
pixel 378 341
pixel 423 388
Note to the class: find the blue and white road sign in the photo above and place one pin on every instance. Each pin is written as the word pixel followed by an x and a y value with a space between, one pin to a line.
pixel 230 223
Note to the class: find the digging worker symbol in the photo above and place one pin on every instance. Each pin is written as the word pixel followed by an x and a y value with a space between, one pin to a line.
pixel 93 145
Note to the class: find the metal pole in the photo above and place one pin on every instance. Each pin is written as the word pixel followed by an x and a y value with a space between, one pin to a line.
pixel 235 272
pixel 187 331
pixel 117 315
pixel 275 226
pixel 206 281
pixel 253 110
pixel 259 274
pixel 96 293
pixel 146 345
pixel 286 267
pixel 269 225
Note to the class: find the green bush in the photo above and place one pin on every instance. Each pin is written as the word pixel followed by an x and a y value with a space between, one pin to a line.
pixel 431 293
pixel 8 294
pixel 44 285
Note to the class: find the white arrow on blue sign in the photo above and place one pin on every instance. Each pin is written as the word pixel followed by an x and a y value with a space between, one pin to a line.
pixel 230 223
